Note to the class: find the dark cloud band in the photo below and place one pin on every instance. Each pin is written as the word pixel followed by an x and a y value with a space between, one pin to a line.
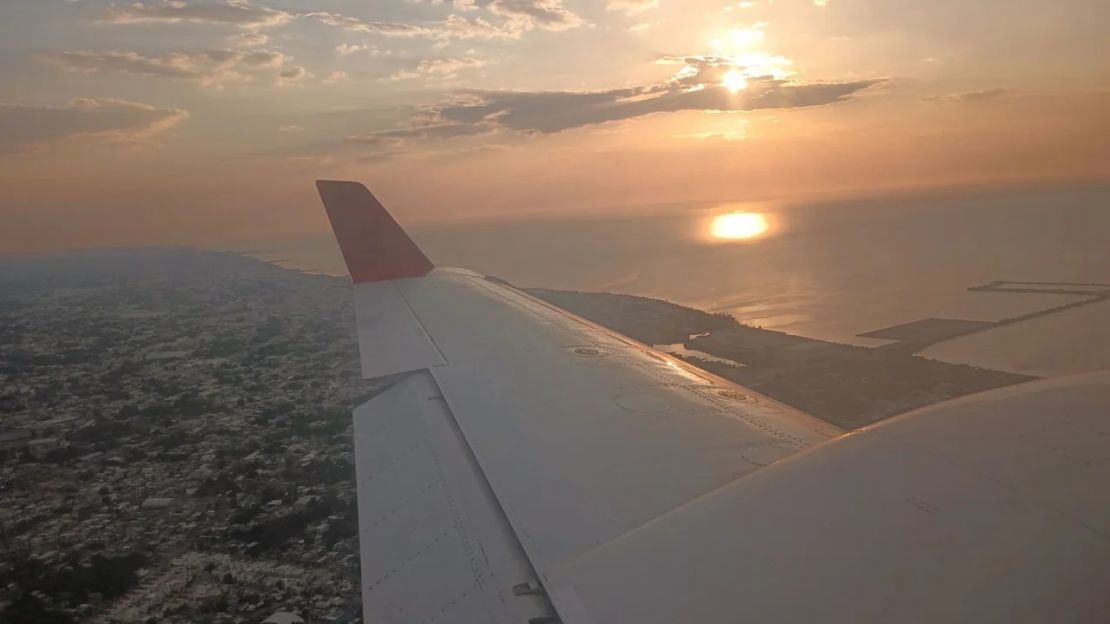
pixel 105 119
pixel 477 111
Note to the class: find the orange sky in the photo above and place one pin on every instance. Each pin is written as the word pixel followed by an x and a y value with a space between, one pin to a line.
pixel 198 121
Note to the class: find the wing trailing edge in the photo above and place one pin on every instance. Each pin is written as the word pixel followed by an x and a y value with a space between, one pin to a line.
pixel 434 543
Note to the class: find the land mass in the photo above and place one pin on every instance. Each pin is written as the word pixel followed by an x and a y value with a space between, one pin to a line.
pixel 845 385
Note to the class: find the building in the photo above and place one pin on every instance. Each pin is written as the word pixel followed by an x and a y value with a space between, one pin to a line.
pixel 283 617
pixel 13 440
pixel 39 448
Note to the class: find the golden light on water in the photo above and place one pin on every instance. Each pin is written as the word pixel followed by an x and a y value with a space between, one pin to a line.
pixel 739 226
pixel 734 81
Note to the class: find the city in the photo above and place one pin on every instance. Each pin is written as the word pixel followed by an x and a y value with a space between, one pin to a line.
pixel 176 442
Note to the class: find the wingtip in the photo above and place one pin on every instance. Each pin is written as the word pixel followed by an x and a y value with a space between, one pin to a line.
pixel 374 245
pixel 322 184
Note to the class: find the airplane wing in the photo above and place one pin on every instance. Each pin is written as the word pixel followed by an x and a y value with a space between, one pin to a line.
pixel 535 467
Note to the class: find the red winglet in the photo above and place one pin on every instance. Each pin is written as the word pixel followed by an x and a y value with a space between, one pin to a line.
pixel 373 244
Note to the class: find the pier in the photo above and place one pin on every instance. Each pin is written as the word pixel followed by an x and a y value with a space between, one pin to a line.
pixel 918 335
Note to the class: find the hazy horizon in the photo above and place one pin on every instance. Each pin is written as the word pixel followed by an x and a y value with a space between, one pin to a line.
pixel 823 270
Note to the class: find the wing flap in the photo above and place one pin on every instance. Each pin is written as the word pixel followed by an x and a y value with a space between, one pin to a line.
pixel 434 543
pixel 391 338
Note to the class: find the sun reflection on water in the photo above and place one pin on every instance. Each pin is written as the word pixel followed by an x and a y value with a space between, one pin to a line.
pixel 739 226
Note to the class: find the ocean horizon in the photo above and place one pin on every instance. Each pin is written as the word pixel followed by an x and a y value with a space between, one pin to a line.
pixel 830 271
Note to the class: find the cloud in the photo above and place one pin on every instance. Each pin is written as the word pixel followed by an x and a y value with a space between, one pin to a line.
pixel 971 96
pixel 107 120
pixel 347 49
pixel 631 6
pixel 462 5
pixel 529 14
pixel 711 68
pixel 249 39
pixel 454 27
pixel 232 12
pixel 459 27
pixel 208 67
pixel 292 75
pixel 547 112
pixel 519 16
pixel 436 131
pixel 729 135
pixel 697 87
pixel 440 67
pixel 243 14
pixel 355 24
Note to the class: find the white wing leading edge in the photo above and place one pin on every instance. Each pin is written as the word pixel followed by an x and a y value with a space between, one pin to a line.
pixel 535 467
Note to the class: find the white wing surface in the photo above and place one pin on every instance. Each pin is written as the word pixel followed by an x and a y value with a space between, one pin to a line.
pixel 994 508
pixel 608 482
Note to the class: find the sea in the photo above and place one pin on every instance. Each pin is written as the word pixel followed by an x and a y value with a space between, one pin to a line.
pixel 830 270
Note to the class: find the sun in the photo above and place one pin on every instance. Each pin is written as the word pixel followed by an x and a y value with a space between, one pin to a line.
pixel 734 81
pixel 739 225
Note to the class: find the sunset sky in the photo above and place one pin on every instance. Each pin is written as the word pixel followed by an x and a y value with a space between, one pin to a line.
pixel 197 121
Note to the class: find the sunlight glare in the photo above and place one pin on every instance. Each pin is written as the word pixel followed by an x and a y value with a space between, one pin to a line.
pixel 739 225
pixel 734 81
pixel 747 37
